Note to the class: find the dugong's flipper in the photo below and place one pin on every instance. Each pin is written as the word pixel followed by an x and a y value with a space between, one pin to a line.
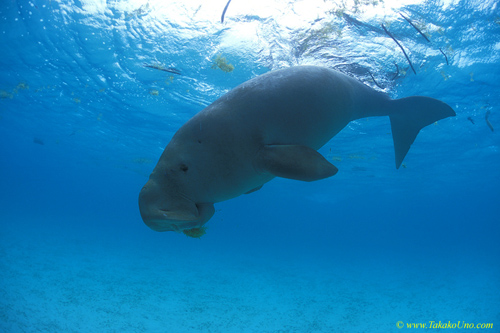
pixel 409 115
pixel 294 162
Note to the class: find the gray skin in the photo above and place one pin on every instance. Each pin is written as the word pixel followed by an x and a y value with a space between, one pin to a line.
pixel 269 126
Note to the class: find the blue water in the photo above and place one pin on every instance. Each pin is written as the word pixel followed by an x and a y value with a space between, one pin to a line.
pixel 83 123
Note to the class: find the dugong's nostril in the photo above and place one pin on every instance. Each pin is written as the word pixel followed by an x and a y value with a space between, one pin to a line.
pixel 144 188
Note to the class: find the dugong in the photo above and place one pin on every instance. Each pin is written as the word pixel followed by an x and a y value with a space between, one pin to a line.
pixel 270 126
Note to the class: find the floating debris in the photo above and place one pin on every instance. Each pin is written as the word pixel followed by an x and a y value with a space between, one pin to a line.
pixel 169 80
pixel 22 86
pixel 444 56
pixel 38 141
pixel 374 80
pixel 356 157
pixel 423 35
pixel 444 75
pixel 5 94
pixel 486 117
pixel 397 71
pixel 408 20
pixel 76 132
pixel 394 39
pixel 221 62
pixel 224 12
pixel 471 120
pixel 143 10
pixel 154 92
pixel 164 69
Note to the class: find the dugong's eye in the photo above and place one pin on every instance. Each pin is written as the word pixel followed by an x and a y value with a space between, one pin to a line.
pixel 183 167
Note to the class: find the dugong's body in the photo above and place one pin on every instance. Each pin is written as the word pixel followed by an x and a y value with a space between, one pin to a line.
pixel 269 126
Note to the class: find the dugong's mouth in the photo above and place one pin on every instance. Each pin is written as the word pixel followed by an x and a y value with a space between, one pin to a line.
pixel 166 211
pixel 193 229
pixel 165 220
pixel 166 223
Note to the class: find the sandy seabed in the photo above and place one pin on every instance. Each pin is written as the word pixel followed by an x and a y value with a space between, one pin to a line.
pixel 51 283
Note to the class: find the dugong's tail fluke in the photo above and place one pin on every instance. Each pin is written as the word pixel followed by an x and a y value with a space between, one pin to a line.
pixel 409 115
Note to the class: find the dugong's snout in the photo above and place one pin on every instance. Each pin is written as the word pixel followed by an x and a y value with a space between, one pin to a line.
pixel 163 212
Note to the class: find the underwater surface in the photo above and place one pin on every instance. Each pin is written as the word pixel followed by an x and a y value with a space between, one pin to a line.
pixel 92 91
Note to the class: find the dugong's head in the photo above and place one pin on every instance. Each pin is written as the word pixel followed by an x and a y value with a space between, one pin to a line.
pixel 166 202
